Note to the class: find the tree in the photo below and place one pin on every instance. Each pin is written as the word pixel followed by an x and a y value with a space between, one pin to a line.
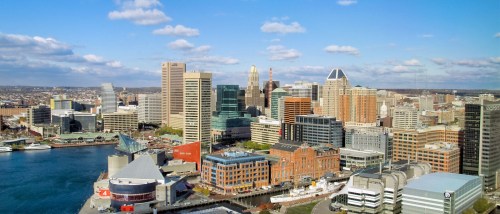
pixel 264 212
pixel 469 211
pixel 481 205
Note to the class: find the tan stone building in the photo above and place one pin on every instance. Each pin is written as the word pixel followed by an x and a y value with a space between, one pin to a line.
pixel 335 81
pixel 120 121
pixel 265 131
pixel 197 110
pixel 172 89
pixel 297 160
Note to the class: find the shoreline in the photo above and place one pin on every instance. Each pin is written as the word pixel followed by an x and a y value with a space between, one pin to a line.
pixel 66 145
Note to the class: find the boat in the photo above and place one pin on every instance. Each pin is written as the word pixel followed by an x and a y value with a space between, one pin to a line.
pixel 320 188
pixel 5 149
pixel 37 146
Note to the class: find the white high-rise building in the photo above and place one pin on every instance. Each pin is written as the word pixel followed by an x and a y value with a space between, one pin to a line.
pixel 253 97
pixel 405 117
pixel 197 104
pixel 335 83
pixel 149 109
pixel 108 98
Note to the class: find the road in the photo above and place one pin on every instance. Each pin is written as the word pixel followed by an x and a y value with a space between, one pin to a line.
pixel 322 207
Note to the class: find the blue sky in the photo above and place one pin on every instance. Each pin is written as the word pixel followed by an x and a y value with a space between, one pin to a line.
pixel 378 43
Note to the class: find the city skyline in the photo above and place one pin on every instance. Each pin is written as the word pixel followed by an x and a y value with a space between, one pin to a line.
pixel 378 44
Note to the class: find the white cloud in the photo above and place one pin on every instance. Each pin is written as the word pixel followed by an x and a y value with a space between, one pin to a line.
pixel 495 60
pixel 184 45
pixel 342 49
pixel 114 64
pixel 39 60
pixel 33 45
pixel 140 16
pixel 346 2
pixel 92 58
pixel 439 61
pixel 178 30
pixel 400 69
pixel 426 36
pixel 214 60
pixel 309 70
pixel 201 48
pixel 180 44
pixel 412 62
pixel 275 40
pixel 497 35
pixel 280 27
pixel 145 3
pixel 279 52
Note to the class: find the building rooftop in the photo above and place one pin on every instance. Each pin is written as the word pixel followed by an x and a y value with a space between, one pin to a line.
pixel 279 90
pixel 336 74
pixel 129 145
pixel 440 182
pixel 88 135
pixel 234 157
pixel 141 168
pixel 359 153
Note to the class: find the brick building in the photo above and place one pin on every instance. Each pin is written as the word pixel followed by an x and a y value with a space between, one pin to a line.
pixel 234 172
pixel 297 160
pixel 406 143
pixel 443 157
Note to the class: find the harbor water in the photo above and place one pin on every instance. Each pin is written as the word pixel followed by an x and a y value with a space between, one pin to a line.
pixel 50 181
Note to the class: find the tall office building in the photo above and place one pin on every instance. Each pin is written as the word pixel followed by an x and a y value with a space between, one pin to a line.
pixel 405 118
pixel 197 115
pixel 108 98
pixel 316 129
pixel 293 106
pixel 227 123
pixel 253 97
pixel 149 109
pixel 60 102
pixel 172 90
pixel 358 104
pixel 335 84
pixel 482 147
pixel 268 93
pixel 38 115
pixel 369 138
pixel 296 106
pixel 275 95
pixel 426 103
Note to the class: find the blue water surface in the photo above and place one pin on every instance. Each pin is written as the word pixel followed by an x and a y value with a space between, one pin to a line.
pixel 50 181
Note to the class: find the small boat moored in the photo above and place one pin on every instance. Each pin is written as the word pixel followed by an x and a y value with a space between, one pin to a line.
pixel 37 146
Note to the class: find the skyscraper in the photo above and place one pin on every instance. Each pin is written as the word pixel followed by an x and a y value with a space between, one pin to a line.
pixel 197 93
pixel 335 81
pixel 227 123
pixel 172 89
pixel 268 93
pixel 275 95
pixel 482 141
pixel 253 97
pixel 149 109
pixel 358 104
pixel 108 97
